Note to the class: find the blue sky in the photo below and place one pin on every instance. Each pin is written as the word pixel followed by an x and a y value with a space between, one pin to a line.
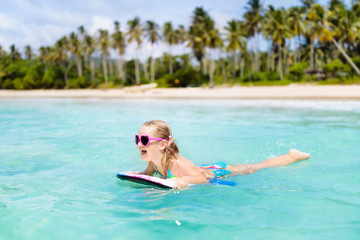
pixel 42 22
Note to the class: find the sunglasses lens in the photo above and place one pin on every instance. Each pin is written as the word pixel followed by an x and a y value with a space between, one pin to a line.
pixel 137 139
pixel 144 140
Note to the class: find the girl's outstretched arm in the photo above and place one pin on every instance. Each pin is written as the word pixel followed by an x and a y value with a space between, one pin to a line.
pixel 187 173
pixel 150 170
pixel 182 182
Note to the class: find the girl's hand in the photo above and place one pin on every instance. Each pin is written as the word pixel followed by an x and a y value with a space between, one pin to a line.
pixel 181 182
pixel 142 173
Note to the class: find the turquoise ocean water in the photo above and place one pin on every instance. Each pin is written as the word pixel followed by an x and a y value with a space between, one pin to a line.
pixel 59 157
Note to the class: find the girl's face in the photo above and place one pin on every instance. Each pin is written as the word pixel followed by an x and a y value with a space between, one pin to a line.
pixel 154 150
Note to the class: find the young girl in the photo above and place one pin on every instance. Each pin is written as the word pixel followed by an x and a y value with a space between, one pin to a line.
pixel 158 147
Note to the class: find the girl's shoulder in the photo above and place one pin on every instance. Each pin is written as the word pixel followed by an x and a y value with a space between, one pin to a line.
pixel 180 160
pixel 182 166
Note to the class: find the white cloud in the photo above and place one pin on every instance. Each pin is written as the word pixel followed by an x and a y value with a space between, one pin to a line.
pixel 42 22
pixel 46 34
pixel 101 22
pixel 7 22
pixel 221 19
pixel 4 44
pixel 23 4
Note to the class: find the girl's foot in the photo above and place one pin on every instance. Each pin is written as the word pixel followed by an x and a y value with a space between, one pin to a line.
pixel 298 156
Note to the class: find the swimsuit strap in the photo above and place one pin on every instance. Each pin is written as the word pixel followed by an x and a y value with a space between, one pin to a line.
pixel 160 173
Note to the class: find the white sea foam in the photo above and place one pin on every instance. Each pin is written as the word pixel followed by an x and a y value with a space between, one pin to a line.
pixel 329 105
pixel 324 105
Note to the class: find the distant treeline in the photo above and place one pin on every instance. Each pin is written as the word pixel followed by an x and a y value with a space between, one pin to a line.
pixel 310 42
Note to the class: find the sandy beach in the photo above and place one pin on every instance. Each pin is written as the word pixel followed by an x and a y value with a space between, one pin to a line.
pixel 348 92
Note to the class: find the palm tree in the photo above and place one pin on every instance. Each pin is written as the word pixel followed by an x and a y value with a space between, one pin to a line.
pixel 60 55
pixel 14 53
pixel 42 56
pixel 314 19
pixel 253 18
pixel 334 4
pixel 83 48
pixel 235 40
pixel 213 41
pixel 348 32
pixel 75 49
pixel 197 33
pixel 119 43
pixel 103 45
pixel 182 35
pixel 90 46
pixel 297 25
pixel 170 38
pixel 277 29
pixel 308 3
pixel 81 30
pixel 325 31
pixel 355 7
pixel 2 51
pixel 28 52
pixel 152 33
pixel 348 24
pixel 136 33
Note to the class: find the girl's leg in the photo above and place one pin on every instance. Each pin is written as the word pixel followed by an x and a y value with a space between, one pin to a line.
pixel 291 157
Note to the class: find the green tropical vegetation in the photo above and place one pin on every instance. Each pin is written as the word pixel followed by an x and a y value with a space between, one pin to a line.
pixel 306 43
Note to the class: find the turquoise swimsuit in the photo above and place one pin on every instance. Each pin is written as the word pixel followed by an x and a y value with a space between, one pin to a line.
pixel 169 174
pixel 219 169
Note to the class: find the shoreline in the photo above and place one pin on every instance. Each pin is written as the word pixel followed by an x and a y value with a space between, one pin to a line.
pixel 310 92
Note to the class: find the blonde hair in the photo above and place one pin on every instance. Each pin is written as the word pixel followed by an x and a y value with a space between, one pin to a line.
pixel 162 130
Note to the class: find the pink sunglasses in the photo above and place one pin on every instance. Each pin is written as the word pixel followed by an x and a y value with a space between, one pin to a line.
pixel 145 139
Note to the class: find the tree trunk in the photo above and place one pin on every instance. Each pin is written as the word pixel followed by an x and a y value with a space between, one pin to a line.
pixel 295 50
pixel 236 64
pixel 234 67
pixel 280 64
pixel 170 62
pixel 272 60
pixel 312 56
pixel 242 66
pixel 253 62
pixel 137 71
pixel 119 68
pixel 211 71
pixel 298 49
pixel 346 56
pixel 295 53
pixel 224 70
pixel 204 65
pixel 45 66
pixel 257 54
pixel 268 61
pixel 123 69
pixel 65 76
pixel 92 69
pixel 111 69
pixel 86 61
pixel 287 56
pixel 78 65
pixel 105 68
pixel 171 71
pixel 146 72
pixel 152 69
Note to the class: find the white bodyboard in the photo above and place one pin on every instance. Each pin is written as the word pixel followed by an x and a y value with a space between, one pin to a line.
pixel 146 179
